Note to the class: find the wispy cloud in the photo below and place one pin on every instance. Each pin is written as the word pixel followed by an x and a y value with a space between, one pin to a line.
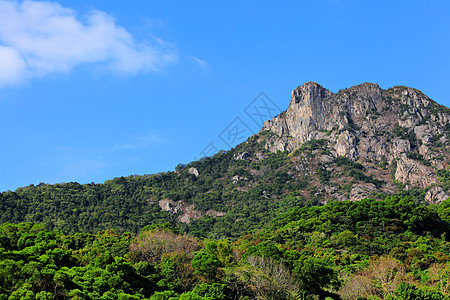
pixel 203 64
pixel 41 38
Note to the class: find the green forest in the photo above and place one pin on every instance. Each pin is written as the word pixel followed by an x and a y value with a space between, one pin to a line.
pixel 130 203
pixel 371 249
pixel 265 189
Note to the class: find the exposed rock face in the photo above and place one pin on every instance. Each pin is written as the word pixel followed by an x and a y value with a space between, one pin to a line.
pixel 360 192
pixel 186 212
pixel 236 178
pixel 260 155
pixel 193 171
pixel 400 127
pixel 314 109
pixel 346 145
pixel 436 194
pixel 169 205
pixel 413 172
pixel 243 156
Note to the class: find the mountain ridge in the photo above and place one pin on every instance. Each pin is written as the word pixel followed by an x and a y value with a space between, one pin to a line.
pixel 368 124
pixel 361 142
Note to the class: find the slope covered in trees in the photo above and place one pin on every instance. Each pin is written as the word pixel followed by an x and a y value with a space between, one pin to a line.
pixel 391 249
pixel 248 193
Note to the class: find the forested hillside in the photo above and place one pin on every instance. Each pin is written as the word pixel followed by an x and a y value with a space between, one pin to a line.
pixel 246 193
pixel 362 142
pixel 343 196
pixel 391 249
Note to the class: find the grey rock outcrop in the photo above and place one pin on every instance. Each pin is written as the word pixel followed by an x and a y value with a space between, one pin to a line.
pixel 194 171
pixel 360 192
pixel 185 212
pixel 260 155
pixel 436 195
pixel 243 156
pixel 413 172
pixel 400 126
pixel 346 145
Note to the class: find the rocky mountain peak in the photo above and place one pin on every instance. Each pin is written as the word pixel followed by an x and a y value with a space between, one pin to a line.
pixel 308 91
pixel 400 127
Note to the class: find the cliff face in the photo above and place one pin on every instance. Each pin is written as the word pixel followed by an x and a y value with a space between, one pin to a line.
pixel 399 127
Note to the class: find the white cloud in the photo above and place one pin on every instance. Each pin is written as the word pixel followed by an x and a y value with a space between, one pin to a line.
pixel 203 64
pixel 12 66
pixel 40 38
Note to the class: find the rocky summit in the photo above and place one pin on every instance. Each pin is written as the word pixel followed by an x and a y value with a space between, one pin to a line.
pixel 400 129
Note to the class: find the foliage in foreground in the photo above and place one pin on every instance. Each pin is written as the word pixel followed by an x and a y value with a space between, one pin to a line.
pixel 392 249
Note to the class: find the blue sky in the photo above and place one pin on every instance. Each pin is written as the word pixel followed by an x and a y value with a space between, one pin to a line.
pixel 92 90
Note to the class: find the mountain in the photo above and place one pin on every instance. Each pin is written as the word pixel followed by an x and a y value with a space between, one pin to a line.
pixel 361 142
pixel 269 219
pixel 399 128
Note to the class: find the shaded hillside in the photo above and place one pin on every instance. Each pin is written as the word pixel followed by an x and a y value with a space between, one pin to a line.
pixel 357 143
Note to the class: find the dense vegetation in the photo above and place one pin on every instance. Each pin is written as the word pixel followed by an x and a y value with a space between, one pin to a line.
pixel 248 193
pixel 130 203
pixel 391 249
